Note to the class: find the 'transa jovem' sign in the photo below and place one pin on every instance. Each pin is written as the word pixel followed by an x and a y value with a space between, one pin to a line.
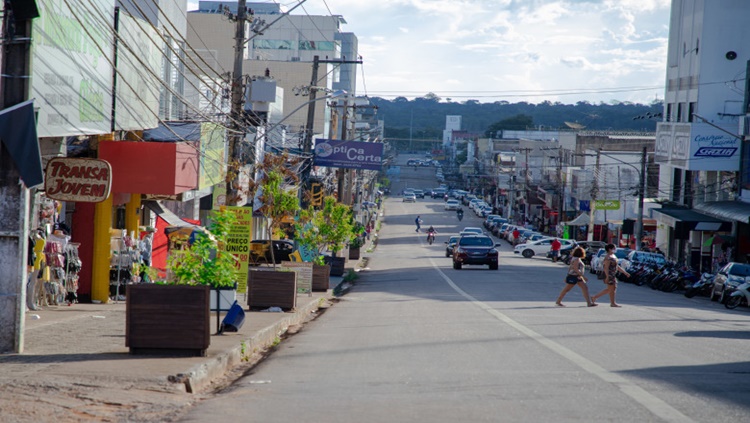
pixel 78 180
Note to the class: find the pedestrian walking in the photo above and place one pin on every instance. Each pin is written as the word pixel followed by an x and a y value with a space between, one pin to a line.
pixel 575 277
pixel 516 234
pixel 418 221
pixel 368 229
pixel 555 248
pixel 610 269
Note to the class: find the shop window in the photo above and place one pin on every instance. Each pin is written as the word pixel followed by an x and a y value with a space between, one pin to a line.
pixel 678 118
pixel 691 111
pixel 669 112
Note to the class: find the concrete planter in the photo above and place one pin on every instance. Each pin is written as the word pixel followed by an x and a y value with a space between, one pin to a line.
pixel 167 319
pixel 337 265
pixel 354 253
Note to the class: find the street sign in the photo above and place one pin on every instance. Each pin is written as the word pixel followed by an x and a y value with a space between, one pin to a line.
pixel 608 204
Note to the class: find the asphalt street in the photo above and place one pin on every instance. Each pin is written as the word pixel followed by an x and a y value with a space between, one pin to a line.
pixel 417 341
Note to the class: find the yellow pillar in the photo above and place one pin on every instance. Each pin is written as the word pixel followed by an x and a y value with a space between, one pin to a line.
pixel 133 214
pixel 100 265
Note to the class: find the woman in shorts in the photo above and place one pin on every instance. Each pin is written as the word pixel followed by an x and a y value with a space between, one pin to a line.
pixel 575 277
pixel 610 269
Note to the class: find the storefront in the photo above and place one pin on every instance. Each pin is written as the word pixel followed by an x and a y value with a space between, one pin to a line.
pixel 684 233
pixel 739 213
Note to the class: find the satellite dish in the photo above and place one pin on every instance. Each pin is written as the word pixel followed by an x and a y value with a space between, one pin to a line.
pixel 573 125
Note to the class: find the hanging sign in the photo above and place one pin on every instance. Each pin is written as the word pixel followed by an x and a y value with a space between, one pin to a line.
pixel 608 204
pixel 78 180
pixel 349 154
pixel 238 243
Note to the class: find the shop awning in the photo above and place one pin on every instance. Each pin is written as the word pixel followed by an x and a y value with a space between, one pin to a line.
pixel 581 220
pixel 166 214
pixel 693 220
pixel 18 134
pixel 731 210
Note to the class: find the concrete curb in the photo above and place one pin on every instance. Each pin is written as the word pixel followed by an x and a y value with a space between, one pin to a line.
pixel 201 376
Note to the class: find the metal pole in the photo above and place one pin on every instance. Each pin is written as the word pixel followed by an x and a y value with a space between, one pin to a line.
pixel 641 195
pixel 594 193
pixel 310 124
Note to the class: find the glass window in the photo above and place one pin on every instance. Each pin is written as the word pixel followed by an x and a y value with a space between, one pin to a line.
pixel 739 270
pixel 272 44
pixel 317 45
pixel 679 113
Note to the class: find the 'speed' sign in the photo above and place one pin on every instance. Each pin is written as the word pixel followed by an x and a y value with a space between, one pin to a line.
pixel 607 204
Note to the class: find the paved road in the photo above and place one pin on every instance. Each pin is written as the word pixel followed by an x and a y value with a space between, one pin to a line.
pixel 417 341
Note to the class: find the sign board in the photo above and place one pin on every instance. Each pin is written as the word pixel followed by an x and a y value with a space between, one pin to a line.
pixel 238 243
pixel 608 204
pixel 697 146
pixel 304 274
pixel 349 154
pixel 78 180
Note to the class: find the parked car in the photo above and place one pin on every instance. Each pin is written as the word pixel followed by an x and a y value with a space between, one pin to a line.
pixel 642 257
pixel 540 247
pixel 409 198
pixel 488 220
pixel 438 193
pixel 475 249
pixel 590 247
pixel 282 249
pixel 596 261
pixel 728 278
pixel 451 205
pixel 450 244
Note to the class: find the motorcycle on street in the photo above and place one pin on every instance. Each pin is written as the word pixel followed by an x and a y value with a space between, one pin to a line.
pixel 701 287
pixel 739 296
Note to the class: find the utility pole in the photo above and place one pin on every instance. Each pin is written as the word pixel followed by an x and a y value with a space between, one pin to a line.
pixel 307 146
pixel 14 225
pixel 342 171
pixel 561 199
pixel 237 133
pixel 641 195
pixel 594 194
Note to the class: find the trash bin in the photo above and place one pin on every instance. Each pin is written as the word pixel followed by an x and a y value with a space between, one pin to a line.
pixel 234 319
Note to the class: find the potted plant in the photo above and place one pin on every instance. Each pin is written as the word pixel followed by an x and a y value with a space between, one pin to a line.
pixel 309 238
pixel 275 198
pixel 173 317
pixel 356 242
pixel 336 230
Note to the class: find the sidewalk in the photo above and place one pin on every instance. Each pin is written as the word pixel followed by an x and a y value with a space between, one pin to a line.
pixel 87 342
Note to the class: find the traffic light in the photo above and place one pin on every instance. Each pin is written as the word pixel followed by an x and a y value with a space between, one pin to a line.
pixel 316 194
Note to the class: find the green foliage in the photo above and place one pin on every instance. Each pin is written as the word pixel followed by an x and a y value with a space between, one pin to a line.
pixel 461 157
pixel 335 225
pixel 206 262
pixel 518 122
pixel 307 230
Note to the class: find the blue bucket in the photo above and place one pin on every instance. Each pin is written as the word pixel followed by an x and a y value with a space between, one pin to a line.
pixel 234 319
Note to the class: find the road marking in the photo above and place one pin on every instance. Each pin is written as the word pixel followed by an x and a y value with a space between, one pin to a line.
pixel 655 405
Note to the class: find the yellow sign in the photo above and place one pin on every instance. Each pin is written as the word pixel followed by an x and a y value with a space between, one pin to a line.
pixel 317 193
pixel 238 243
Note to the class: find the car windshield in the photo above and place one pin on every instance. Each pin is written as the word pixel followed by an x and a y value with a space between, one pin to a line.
pixel 454 239
pixel 475 230
pixel 739 270
pixel 476 241
pixel 621 253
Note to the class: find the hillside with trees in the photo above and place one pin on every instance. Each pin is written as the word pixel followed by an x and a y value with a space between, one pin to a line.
pixel 424 117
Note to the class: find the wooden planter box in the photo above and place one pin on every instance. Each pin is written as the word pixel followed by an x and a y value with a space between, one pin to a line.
pixel 267 288
pixel 321 277
pixel 167 319
pixel 337 265
pixel 354 253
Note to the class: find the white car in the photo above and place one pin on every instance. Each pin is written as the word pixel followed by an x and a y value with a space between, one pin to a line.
pixel 540 247
pixel 409 197
pixel 451 205
pixel 471 230
pixel 596 261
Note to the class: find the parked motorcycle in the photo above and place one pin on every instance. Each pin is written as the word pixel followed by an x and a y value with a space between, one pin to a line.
pixel 701 287
pixel 739 296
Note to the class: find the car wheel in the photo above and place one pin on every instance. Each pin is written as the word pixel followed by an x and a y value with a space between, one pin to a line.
pixel 457 265
pixel 447 254
pixel 528 253
pixel 713 297
pixel 493 266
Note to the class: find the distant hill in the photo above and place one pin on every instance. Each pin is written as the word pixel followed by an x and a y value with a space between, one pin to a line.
pixel 426 115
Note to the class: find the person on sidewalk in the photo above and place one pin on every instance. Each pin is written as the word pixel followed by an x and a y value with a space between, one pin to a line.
pixel 516 234
pixel 610 269
pixel 575 277
pixel 555 248
pixel 368 229
pixel 418 221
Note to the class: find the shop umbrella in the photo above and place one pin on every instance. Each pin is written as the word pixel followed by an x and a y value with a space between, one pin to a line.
pixel 716 239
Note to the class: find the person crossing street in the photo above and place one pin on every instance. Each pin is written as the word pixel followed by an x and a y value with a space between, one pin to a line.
pixel 418 221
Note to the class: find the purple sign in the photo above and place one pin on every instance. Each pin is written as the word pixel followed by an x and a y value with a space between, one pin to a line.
pixel 349 154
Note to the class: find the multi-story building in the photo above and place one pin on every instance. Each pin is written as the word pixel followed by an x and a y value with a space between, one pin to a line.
pixel 697 145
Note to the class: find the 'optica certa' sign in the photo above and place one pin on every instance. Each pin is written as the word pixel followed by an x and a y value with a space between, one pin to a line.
pixel 78 180
pixel 349 154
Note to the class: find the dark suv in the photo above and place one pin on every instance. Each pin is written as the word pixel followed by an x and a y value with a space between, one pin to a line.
pixel 282 249
pixel 475 249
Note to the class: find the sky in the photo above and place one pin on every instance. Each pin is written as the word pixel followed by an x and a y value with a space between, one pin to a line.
pixel 507 50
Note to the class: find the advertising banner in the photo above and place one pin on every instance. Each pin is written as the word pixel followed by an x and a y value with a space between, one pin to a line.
pixel 238 243
pixel 72 71
pixel 607 204
pixel 348 154
pixel 697 146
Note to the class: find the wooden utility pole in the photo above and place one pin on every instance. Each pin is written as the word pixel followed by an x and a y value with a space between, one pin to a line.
pixel 641 196
pixel 561 195
pixel 237 134
pixel 594 194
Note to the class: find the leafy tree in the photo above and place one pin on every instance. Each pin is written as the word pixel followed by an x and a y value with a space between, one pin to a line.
pixel 518 122
pixel 335 226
